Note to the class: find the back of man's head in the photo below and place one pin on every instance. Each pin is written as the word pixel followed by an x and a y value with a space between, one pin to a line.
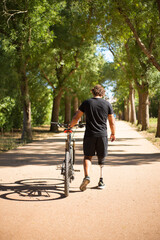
pixel 98 90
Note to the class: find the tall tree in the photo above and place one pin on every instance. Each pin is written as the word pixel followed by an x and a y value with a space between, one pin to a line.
pixel 24 27
pixel 138 28
pixel 73 36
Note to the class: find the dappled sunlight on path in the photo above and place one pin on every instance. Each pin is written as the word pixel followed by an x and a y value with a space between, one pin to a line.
pixel 129 148
pixel 33 205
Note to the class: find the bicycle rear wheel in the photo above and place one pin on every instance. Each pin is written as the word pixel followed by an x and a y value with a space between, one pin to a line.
pixel 66 176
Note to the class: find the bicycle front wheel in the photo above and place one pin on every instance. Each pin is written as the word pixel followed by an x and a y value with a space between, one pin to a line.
pixel 66 177
pixel 73 154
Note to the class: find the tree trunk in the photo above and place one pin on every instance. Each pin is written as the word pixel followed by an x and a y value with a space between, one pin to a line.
pixel 75 105
pixel 158 122
pixel 128 111
pixel 145 109
pixel 139 107
pixel 27 129
pixel 67 108
pixel 132 102
pixel 125 110
pixel 55 111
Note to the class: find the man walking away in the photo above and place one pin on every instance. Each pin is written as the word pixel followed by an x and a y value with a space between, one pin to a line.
pixel 97 111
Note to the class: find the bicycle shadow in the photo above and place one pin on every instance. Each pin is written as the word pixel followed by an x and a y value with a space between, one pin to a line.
pixel 33 190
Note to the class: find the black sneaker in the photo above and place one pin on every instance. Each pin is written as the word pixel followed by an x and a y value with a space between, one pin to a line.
pixel 101 184
pixel 84 184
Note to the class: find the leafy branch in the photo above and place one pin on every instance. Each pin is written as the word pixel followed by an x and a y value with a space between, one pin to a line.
pixel 11 13
pixel 138 39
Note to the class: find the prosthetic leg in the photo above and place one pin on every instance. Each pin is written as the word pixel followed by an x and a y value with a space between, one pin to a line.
pixel 101 184
pixel 101 171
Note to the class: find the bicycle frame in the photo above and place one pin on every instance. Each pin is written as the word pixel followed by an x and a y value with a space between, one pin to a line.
pixel 67 169
pixel 69 138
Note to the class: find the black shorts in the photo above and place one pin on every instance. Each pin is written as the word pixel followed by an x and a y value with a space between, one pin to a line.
pixel 98 145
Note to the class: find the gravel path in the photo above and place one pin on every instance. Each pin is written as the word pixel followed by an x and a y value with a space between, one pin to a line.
pixel 33 206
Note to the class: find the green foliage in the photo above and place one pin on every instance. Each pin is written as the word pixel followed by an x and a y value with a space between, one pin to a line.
pixel 89 73
pixel 132 66
pixel 7 105
pixel 54 42
pixel 24 37
pixel 154 77
pixel 41 100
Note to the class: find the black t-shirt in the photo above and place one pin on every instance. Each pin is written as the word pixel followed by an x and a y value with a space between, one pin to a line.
pixel 96 110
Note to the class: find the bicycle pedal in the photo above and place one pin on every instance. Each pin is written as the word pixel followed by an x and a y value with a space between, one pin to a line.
pixel 77 170
pixel 72 178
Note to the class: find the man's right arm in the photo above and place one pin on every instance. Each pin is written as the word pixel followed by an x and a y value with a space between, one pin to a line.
pixel 111 120
pixel 76 117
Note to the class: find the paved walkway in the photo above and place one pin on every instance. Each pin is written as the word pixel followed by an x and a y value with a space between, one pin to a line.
pixel 32 203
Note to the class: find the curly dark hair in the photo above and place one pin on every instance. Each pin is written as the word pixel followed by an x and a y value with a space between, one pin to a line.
pixel 98 90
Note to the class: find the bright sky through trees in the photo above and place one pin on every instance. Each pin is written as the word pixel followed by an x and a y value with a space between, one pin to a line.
pixel 105 53
pixel 108 56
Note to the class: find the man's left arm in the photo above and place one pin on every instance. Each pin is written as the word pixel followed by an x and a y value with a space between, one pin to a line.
pixel 112 126
pixel 75 119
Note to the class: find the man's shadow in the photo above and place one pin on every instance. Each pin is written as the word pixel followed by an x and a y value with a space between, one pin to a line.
pixel 37 189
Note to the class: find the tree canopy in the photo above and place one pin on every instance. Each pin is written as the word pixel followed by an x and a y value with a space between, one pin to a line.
pixel 49 57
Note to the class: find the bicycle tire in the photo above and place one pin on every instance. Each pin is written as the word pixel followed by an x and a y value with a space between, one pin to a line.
pixel 66 177
pixel 71 162
pixel 71 156
pixel 73 152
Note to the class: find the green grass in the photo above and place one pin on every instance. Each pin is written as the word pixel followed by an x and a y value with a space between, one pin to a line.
pixel 8 143
pixel 11 140
pixel 152 125
pixel 153 120
pixel 151 132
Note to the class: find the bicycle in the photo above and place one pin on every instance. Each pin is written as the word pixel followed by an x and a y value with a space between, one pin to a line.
pixel 67 169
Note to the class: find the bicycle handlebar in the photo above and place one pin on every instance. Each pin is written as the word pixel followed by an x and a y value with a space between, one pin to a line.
pixel 80 125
